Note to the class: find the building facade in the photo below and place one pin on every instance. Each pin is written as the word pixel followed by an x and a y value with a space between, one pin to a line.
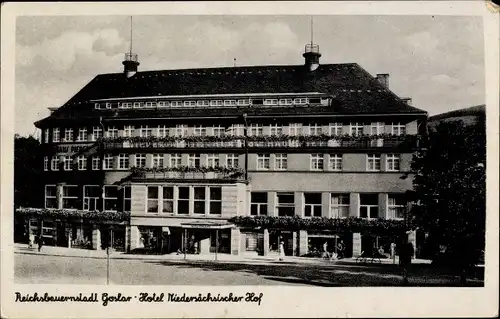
pixel 181 152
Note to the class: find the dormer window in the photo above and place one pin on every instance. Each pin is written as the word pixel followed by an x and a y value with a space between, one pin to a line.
pixel 149 104
pixel 230 103
pixel 216 103
pixel 271 102
pixel 286 101
pixel 126 105
pixel 202 103
pixel 176 104
pixel 97 106
pixel 189 103
pixel 243 102
pixel 138 105
pixel 300 101
pixel 108 105
pixel 163 104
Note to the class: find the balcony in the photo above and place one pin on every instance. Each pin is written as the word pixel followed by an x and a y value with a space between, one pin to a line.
pixel 259 142
pixel 188 173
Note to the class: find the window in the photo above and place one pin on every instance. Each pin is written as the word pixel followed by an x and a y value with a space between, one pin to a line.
pixel 96 163
pixel 175 160
pixel 149 104
pixel 162 131
pixel 270 101
pixel 373 162
pixel 199 130
pixel 275 129
pixel 82 163
pixel 199 200
pixel 97 106
pixel 82 135
pixel 158 160
pixel 153 199
pixel 68 135
pixel 216 103
pixel 163 104
pixel 218 130
pixel 312 202
pixel 180 130
pixel 232 160
pixel 236 130
pixel 183 201
pixel 96 133
pixel 295 129
pixel 145 131
pixel 229 102
pixel 50 196
pixel 356 128
pixel 189 103
pixel 194 160
pixel 108 105
pixel 202 103
pixel 54 163
pixel 55 135
pixel 138 105
pixel 258 203
pixel 91 195
pixel 168 200
pixel 368 205
pixel 335 163
pixel 213 160
pixel 256 130
pixel 215 206
pixel 128 131
pixel 339 206
pixel 68 163
pixel 127 198
pixel 125 105
pixel 112 132
pixel 398 128
pixel 285 204
pixel 70 197
pixel 107 162
pixel 392 162
pixel 317 162
pixel 377 128
pixel 300 101
pixel 176 103
pixel 314 129
pixel 140 160
pixel 123 162
pixel 46 136
pixel 46 163
pixel 335 128
pixel 286 101
pixel 281 162
pixel 243 102
pixel 110 199
pixel 396 205
pixel 263 161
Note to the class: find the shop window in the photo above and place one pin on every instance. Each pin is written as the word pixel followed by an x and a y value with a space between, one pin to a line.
pixel 70 197
pixel 110 198
pixel 258 203
pixel 340 206
pixel 153 199
pixel 199 200
pixel 183 201
pixel 50 196
pixel 91 195
pixel 285 204
pixel 215 200
pixel 168 200
pixel 368 205
pixel 312 206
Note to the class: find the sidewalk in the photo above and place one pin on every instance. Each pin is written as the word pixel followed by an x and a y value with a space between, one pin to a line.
pixel 225 258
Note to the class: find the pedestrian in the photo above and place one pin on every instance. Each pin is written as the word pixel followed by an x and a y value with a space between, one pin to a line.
pixel 31 240
pixel 340 249
pixel 326 254
pixel 40 242
pixel 282 251
pixel 393 250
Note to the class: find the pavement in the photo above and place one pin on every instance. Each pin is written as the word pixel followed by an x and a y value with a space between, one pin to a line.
pixel 246 258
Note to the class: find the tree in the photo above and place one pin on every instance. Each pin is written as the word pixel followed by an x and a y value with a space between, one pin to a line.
pixel 449 192
pixel 28 170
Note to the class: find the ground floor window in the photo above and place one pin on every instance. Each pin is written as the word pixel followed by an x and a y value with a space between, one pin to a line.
pixel 81 236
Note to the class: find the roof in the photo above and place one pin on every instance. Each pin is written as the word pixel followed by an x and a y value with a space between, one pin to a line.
pixel 353 89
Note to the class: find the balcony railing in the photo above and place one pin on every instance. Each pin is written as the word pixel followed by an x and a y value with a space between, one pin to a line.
pixel 278 141
pixel 198 173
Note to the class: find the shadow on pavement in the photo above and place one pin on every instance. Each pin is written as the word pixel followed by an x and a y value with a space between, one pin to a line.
pixel 335 275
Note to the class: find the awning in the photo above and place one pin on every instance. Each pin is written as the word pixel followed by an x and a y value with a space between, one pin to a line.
pixel 207 225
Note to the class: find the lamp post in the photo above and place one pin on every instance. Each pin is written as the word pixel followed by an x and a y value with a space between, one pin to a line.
pixel 245 133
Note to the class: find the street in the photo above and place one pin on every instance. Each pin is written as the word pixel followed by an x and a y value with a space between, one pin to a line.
pixel 43 269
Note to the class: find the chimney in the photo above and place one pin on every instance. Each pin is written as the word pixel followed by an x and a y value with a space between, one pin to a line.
pixel 383 78
pixel 130 64
pixel 407 100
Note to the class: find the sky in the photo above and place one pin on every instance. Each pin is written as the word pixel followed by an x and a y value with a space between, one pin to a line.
pixel 438 61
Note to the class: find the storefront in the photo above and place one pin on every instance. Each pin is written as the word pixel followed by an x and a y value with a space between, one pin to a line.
pixel 278 236
pixel 316 242
pixel 206 237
